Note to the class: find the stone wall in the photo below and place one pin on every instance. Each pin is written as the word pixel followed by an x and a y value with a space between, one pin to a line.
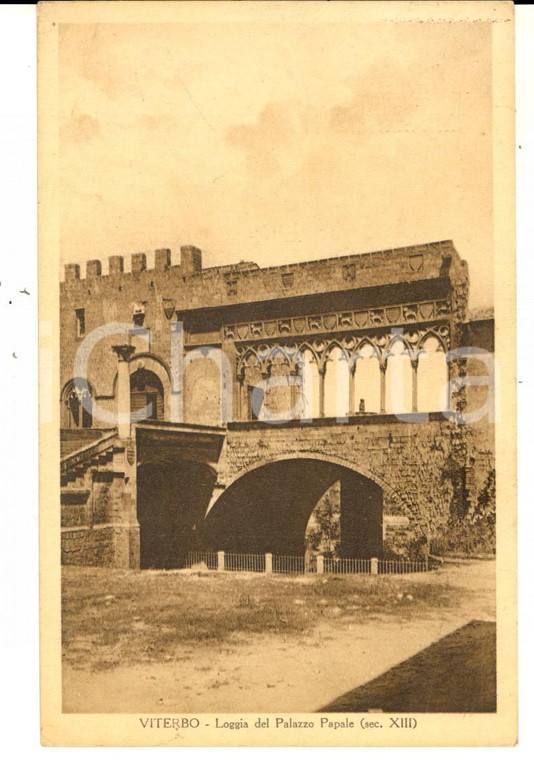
pixel 100 546
pixel 410 461
pixel 98 507
pixel 93 546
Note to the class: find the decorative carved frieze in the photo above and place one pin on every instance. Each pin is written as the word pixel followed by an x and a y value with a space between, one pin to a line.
pixel 396 315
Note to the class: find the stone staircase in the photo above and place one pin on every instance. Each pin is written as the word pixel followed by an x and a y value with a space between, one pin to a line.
pixel 98 517
pixel 72 440
pixel 96 453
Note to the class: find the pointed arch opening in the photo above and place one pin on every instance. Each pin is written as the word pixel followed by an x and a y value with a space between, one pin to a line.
pixel 432 376
pixel 336 385
pixel 252 391
pixel 309 404
pixel 280 390
pixel 77 405
pixel 367 380
pixel 398 379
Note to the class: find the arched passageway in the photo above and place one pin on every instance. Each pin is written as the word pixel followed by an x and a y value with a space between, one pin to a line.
pixel 171 503
pixel 268 509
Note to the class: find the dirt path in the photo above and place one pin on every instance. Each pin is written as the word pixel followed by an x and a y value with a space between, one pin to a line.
pixel 276 674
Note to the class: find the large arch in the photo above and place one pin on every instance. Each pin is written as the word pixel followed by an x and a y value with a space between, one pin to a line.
pixel 393 497
pixel 268 508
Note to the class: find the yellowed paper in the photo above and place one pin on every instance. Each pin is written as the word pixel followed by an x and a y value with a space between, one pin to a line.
pixel 277 374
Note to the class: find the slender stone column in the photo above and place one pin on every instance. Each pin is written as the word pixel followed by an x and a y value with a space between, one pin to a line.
pixel 322 373
pixel 240 413
pixel 383 366
pixel 177 370
pixel 296 394
pixel 246 401
pixel 414 363
pixel 352 390
pixel 124 353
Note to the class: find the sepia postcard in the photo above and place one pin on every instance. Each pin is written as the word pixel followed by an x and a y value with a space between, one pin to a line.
pixel 277 374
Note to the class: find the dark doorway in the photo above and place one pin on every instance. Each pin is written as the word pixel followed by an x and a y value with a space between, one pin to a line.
pixel 267 510
pixel 171 502
pixel 146 393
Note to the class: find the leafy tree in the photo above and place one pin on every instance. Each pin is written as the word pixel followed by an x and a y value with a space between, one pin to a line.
pixel 323 534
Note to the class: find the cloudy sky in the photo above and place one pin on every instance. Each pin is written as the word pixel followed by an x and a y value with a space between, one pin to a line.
pixel 276 142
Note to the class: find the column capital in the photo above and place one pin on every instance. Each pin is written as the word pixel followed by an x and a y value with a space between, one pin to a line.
pixel 124 352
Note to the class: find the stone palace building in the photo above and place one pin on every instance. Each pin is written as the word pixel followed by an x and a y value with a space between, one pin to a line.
pixel 213 408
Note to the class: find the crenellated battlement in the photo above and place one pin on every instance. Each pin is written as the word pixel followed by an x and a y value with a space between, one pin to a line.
pixel 191 262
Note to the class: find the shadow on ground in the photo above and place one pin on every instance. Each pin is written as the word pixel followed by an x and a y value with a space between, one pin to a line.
pixel 456 674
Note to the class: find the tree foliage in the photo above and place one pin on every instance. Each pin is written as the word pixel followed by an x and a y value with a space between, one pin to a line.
pixel 323 534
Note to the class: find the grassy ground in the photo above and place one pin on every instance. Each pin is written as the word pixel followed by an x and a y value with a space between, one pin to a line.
pixel 113 617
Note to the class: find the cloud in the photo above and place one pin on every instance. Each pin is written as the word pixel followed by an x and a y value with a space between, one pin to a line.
pixel 383 98
pixel 290 135
pixel 264 141
pixel 96 53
